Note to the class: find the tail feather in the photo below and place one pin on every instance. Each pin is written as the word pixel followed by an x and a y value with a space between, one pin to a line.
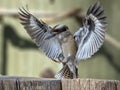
pixel 64 73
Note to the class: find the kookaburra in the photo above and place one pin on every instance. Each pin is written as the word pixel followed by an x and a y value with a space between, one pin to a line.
pixel 60 45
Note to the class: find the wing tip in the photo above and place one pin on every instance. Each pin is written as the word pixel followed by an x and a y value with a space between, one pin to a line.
pixel 96 9
pixel 23 13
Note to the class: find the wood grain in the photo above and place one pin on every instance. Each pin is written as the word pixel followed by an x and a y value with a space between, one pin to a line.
pixel 90 84
pixel 30 83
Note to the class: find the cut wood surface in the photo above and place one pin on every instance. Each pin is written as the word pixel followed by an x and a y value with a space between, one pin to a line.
pixel 30 83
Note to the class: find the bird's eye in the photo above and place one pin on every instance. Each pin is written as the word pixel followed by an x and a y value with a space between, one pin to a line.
pixel 64 29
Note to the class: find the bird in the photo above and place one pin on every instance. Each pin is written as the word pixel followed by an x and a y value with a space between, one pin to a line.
pixel 60 45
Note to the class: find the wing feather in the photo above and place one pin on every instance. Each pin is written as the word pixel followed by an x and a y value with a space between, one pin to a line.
pixel 96 27
pixel 38 30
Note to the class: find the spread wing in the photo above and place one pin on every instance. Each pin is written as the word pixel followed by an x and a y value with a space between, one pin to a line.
pixel 90 36
pixel 38 30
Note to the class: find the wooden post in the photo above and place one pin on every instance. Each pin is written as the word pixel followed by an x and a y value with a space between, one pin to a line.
pixel 90 84
pixel 28 83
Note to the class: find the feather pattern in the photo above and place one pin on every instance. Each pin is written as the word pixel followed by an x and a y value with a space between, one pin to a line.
pixel 91 36
pixel 38 30
pixel 64 73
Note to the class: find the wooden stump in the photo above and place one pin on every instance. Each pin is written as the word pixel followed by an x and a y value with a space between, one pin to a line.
pixel 29 83
pixel 90 84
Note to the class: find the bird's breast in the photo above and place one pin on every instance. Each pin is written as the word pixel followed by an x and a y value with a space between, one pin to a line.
pixel 69 46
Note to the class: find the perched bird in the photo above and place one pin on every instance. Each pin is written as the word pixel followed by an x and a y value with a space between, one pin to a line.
pixel 59 44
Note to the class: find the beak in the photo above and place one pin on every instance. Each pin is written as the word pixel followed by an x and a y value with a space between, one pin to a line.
pixel 49 36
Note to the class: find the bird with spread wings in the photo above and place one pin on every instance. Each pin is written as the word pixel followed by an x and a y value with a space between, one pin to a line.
pixel 61 46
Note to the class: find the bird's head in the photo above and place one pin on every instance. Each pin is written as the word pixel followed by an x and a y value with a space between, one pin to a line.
pixel 57 30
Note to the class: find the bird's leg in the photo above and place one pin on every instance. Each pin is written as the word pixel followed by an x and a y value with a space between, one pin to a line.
pixel 76 67
pixel 72 68
pixel 75 74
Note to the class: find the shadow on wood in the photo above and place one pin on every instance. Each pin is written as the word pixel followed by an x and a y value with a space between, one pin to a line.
pixel 29 83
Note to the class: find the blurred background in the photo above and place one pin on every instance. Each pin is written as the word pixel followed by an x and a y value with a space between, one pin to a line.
pixel 19 56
